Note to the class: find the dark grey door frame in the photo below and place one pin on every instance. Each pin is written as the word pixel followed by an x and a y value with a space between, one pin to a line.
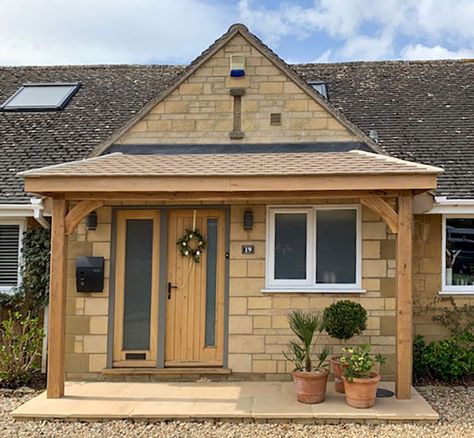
pixel 163 209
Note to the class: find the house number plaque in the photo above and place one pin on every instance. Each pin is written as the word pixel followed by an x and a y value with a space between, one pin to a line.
pixel 248 249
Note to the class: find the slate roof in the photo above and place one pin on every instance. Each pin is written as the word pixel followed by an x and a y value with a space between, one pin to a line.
pixel 261 164
pixel 108 97
pixel 422 111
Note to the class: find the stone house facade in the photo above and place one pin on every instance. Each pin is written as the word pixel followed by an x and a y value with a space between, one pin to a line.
pixel 299 206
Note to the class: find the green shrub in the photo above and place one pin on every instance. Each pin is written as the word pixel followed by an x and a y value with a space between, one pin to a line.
pixel 21 339
pixel 32 293
pixel 345 319
pixel 420 368
pixel 448 360
pixel 35 268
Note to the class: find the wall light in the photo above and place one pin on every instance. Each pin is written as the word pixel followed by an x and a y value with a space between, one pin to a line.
pixel 91 221
pixel 248 220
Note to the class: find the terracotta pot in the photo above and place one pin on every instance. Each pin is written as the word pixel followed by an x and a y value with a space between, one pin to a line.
pixel 310 387
pixel 337 370
pixel 361 393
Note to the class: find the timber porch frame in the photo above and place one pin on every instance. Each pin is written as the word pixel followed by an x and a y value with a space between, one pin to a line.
pixel 90 192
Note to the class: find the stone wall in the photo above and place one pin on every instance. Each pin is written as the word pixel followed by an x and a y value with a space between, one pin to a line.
pixel 258 327
pixel 87 313
pixel 258 330
pixel 427 277
pixel 201 108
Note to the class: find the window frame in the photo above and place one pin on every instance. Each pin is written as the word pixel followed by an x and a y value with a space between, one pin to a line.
pixel 322 91
pixel 309 284
pixel 452 289
pixel 270 256
pixel 5 106
pixel 21 230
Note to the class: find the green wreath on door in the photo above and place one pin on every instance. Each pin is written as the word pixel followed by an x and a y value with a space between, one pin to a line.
pixel 192 244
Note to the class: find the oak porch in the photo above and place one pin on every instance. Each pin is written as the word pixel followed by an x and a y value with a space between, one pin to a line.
pixel 89 192
pixel 399 222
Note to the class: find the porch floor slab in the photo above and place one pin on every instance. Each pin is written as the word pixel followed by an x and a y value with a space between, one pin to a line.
pixel 255 401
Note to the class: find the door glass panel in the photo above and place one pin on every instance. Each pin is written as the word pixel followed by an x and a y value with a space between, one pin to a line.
pixel 211 282
pixel 137 290
pixel 290 246
pixel 336 246
pixel 459 252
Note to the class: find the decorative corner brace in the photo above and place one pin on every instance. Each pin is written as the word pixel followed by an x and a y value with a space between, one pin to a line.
pixel 383 209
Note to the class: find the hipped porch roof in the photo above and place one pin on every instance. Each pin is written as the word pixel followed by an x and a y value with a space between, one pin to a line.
pixel 353 170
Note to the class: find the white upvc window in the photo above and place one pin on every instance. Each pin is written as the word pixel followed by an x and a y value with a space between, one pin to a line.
pixel 457 247
pixel 313 249
pixel 11 235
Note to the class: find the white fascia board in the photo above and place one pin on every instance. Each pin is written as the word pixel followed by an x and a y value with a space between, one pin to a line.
pixel 34 209
pixel 17 210
pixel 444 205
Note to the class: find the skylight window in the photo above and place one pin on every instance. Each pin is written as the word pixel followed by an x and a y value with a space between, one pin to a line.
pixel 41 97
pixel 320 87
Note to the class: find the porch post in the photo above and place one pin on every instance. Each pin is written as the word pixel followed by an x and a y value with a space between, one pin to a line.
pixel 57 301
pixel 404 297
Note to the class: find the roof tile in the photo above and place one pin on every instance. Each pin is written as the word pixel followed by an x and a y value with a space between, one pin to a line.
pixel 312 163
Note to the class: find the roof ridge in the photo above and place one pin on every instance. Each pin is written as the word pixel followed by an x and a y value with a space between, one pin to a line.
pixel 297 164
pixel 388 61
pixel 185 66
pixel 89 66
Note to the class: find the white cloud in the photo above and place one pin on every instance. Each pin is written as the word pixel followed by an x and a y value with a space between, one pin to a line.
pixel 107 31
pixel 324 57
pixel 270 23
pixel 128 31
pixel 366 48
pixel 419 51
pixel 453 19
pixel 368 29
pixel 337 18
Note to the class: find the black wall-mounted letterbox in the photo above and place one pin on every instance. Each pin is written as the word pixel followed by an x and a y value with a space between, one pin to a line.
pixel 90 274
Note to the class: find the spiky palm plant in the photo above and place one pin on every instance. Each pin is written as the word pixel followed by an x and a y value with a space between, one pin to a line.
pixel 305 325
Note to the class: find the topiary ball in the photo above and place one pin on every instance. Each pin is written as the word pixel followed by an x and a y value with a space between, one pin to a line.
pixel 344 319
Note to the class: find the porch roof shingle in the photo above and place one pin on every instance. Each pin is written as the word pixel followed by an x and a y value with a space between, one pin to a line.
pixel 261 164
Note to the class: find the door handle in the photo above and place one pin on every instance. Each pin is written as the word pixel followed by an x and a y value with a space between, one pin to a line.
pixel 171 286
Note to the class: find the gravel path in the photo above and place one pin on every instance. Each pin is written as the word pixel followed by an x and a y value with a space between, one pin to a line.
pixel 455 406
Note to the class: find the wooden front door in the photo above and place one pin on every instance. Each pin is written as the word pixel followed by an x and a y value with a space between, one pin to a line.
pixel 195 296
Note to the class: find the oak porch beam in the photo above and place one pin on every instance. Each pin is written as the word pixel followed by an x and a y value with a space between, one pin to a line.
pixel 79 212
pixel 227 183
pixel 223 196
pixel 57 301
pixel 404 298
pixel 383 209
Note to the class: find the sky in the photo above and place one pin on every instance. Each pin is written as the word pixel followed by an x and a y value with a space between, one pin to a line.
pixel 52 32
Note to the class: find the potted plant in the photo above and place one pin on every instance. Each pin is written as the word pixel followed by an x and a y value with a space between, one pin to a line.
pixel 310 377
pixel 360 381
pixel 343 320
